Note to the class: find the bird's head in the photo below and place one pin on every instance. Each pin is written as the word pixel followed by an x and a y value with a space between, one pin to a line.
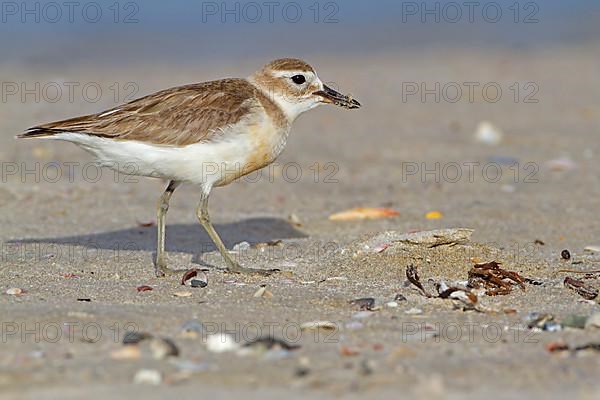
pixel 294 85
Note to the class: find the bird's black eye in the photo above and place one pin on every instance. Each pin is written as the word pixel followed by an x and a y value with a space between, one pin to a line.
pixel 298 79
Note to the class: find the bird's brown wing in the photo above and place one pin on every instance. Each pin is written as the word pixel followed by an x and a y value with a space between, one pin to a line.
pixel 177 117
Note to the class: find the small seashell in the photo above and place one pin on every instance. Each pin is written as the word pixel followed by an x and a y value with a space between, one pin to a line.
pixel 592 249
pixel 381 248
pixel 182 294
pixel 242 246
pixel 263 292
pixel 414 311
pixel 391 304
pixel 14 291
pixel 561 164
pixel 295 220
pixel 147 377
pixel 144 288
pixel 195 278
pixel 221 343
pixel 360 213
pixel 434 215
pixel 126 353
pixel 315 325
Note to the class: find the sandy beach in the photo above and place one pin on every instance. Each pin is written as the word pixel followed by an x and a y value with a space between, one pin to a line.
pixel 79 241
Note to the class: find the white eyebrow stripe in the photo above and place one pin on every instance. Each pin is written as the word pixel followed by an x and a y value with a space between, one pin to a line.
pixel 289 74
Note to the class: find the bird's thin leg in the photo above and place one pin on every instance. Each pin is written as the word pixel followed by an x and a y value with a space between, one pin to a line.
pixel 163 207
pixel 232 265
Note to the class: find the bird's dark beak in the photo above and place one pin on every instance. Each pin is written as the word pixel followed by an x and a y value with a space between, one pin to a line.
pixel 334 97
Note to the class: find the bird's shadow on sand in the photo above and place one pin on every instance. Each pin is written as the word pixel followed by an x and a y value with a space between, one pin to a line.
pixel 181 238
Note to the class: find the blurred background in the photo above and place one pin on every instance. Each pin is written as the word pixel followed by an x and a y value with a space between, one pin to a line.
pixel 54 34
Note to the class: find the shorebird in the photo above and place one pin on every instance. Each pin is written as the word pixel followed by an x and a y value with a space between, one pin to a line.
pixel 208 134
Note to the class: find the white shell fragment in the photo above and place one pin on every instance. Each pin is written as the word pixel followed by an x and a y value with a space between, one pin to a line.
pixel 221 343
pixel 488 133
pixel 148 377
pixel 314 325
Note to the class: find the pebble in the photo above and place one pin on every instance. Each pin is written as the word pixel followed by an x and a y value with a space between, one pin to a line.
pixel 14 291
pixel 182 294
pixel 147 377
pixel 391 304
pixel 400 297
pixel 365 303
pixel 242 246
pixel 488 134
pixel 221 343
pixel 162 348
pixel 191 330
pixel 565 254
pixel 414 311
pixel 135 337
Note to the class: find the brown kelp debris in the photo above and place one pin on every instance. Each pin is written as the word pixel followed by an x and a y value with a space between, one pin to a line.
pixel 586 291
pixel 413 277
pixel 495 280
pixel 555 347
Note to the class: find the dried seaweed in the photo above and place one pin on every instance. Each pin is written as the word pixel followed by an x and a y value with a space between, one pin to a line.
pixel 495 280
pixel 413 277
pixel 585 291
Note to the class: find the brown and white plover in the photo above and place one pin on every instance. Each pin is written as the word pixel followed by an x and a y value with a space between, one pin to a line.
pixel 208 134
